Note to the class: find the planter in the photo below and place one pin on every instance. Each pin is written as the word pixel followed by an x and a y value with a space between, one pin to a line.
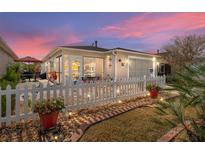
pixel 49 120
pixel 154 93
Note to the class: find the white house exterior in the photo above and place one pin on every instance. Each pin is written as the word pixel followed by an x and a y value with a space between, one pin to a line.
pixel 7 56
pixel 76 62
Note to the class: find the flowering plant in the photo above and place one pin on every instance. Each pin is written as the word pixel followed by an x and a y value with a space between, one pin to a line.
pixel 48 106
pixel 153 87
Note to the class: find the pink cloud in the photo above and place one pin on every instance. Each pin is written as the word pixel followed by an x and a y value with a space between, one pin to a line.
pixel 155 25
pixel 38 45
pixel 73 38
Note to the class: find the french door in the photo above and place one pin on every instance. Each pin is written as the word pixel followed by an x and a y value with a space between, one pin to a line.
pixel 76 67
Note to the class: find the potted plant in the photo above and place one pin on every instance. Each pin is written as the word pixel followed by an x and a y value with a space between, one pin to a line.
pixel 153 90
pixel 48 111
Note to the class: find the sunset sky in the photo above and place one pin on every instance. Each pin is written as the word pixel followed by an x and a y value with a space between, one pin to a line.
pixel 35 34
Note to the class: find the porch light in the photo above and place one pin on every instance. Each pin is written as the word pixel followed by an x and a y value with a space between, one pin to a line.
pixel 88 95
pixel 127 61
pixel 157 63
pixel 153 59
pixel 109 58
pixel 148 94
pixel 119 101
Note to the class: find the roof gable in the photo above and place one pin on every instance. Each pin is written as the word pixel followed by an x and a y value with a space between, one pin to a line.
pixel 7 49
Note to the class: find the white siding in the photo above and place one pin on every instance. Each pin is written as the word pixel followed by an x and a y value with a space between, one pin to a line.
pixel 5 61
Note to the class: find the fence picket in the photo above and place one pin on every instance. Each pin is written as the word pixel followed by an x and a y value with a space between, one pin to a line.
pixel 34 95
pixel 66 95
pixel 17 104
pixel 76 95
pixel 26 101
pixel 8 105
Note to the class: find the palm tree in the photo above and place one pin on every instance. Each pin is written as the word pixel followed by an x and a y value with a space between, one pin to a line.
pixel 190 84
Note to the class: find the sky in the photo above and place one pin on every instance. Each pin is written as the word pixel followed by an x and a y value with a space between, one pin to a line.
pixel 36 34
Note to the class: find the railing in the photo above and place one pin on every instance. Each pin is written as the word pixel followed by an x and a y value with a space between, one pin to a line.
pixel 17 104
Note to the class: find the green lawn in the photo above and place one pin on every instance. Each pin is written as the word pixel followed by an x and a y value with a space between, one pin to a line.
pixel 135 125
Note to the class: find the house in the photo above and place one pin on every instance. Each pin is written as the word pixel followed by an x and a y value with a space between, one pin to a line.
pixel 7 56
pixel 76 62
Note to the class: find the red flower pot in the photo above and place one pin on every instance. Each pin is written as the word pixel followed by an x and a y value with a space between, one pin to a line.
pixel 49 120
pixel 154 93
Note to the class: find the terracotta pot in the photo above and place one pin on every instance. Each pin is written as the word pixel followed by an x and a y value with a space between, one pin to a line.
pixel 154 93
pixel 49 120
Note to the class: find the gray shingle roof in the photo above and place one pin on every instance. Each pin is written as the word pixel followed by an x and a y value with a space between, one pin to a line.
pixel 87 48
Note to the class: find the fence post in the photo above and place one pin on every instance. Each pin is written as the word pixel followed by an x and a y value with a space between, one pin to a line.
pixel 145 83
pixel 8 105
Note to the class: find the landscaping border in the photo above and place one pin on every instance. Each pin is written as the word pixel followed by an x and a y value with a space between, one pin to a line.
pixel 76 136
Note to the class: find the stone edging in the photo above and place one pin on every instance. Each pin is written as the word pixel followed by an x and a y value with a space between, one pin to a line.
pixel 76 136
pixel 174 132
pixel 171 134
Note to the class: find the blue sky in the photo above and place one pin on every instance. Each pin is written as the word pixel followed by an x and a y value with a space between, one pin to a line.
pixel 35 34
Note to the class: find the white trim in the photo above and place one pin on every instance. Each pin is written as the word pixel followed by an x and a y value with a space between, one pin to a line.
pixel 62 65
pixel 133 52
pixel 94 51
pixel 143 58
pixel 128 69
pixel 115 61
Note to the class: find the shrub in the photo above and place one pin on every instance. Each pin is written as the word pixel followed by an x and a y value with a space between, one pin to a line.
pixel 11 78
pixel 3 85
pixel 12 73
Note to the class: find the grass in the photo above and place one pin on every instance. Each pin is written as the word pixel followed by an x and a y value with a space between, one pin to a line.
pixel 135 125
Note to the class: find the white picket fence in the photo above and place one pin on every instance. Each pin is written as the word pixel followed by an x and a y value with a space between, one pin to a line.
pixel 18 103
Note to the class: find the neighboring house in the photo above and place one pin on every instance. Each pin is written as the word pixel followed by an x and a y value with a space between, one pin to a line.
pixel 79 62
pixel 7 56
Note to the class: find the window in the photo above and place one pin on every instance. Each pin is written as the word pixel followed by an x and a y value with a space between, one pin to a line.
pixel 140 67
pixel 93 67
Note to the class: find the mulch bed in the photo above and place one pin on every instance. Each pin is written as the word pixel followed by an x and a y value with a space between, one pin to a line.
pixel 73 124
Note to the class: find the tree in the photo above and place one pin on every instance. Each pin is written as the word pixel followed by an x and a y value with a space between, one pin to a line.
pixel 184 50
pixel 190 85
